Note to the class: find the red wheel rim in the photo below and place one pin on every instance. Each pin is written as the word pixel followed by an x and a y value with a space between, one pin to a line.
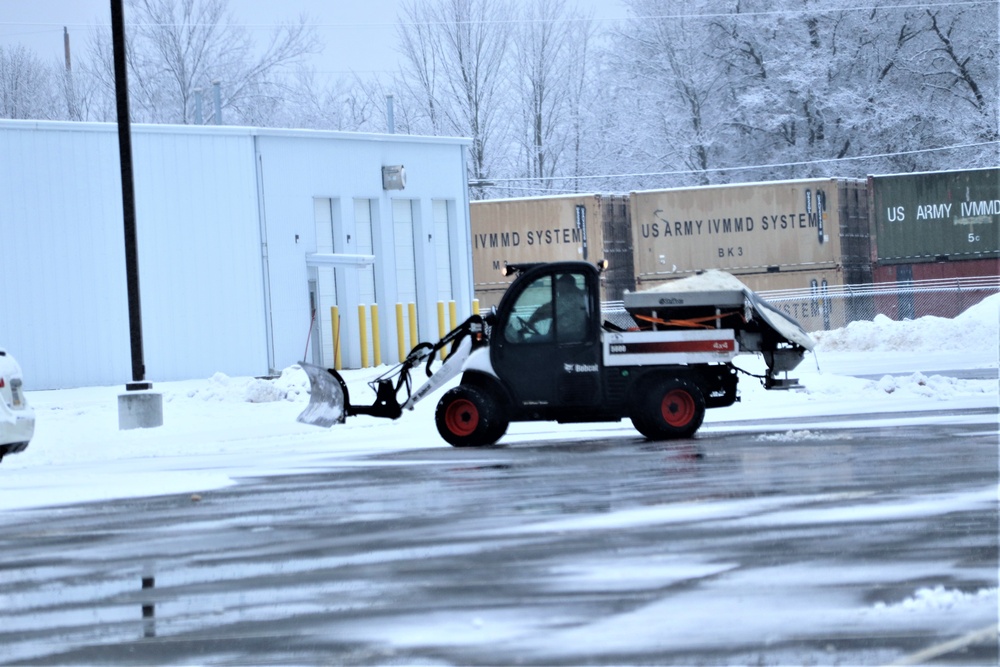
pixel 462 417
pixel 677 408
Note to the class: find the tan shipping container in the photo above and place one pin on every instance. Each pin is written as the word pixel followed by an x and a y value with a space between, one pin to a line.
pixel 746 228
pixel 808 297
pixel 537 229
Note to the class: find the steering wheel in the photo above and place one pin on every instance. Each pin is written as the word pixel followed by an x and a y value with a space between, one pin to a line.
pixel 523 328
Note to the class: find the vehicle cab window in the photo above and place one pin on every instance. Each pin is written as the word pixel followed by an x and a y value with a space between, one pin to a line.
pixel 551 309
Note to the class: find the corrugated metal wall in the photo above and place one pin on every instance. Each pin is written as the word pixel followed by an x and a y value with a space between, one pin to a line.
pixel 617 220
pixel 855 239
pixel 226 218
pixel 298 167
pixel 64 305
pixel 199 254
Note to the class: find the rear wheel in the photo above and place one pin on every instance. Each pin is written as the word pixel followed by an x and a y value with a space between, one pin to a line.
pixel 670 408
pixel 468 416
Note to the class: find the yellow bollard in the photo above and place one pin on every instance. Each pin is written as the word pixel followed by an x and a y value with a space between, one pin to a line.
pixel 363 335
pixel 335 328
pixel 475 306
pixel 441 330
pixel 400 337
pixel 452 318
pixel 412 307
pixel 376 337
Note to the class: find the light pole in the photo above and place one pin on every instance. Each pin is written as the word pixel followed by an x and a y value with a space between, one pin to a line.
pixel 138 407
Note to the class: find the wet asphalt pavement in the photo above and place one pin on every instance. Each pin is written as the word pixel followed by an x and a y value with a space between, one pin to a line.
pixel 733 548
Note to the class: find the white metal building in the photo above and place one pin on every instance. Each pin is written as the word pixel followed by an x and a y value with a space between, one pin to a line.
pixel 242 233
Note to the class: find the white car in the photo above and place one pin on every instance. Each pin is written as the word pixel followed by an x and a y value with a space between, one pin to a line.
pixel 17 419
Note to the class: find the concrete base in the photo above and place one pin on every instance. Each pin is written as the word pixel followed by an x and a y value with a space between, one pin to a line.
pixel 140 409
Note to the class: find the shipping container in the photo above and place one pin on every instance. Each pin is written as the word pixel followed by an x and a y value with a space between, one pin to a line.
pixel 549 229
pixel 935 217
pixel 814 299
pixel 941 289
pixel 619 277
pixel 813 225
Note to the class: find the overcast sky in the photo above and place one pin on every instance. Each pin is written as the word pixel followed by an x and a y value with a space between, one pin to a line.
pixel 359 36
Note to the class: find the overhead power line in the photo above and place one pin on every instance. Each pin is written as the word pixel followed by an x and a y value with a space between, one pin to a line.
pixel 684 172
pixel 649 17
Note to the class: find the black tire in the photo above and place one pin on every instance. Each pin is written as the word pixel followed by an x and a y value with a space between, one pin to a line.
pixel 669 409
pixel 468 416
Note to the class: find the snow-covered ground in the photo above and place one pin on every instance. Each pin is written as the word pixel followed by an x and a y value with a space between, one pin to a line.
pixel 221 428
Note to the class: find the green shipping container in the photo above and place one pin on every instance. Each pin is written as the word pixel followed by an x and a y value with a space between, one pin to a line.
pixel 936 216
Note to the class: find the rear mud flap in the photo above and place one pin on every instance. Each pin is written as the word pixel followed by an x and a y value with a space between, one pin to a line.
pixel 326 397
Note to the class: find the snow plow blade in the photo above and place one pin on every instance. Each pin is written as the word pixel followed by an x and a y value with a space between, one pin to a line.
pixel 326 397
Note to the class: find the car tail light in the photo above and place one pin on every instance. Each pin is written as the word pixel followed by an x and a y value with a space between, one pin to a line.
pixel 1 383
pixel 15 392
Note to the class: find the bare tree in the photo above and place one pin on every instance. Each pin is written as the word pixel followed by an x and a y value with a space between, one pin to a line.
pixel 458 51
pixel 178 47
pixel 420 74
pixel 582 96
pixel 550 70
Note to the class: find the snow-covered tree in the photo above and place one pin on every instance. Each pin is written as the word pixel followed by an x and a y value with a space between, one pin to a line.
pixel 666 62
pixel 802 88
pixel 543 44
pixel 27 87
pixel 456 54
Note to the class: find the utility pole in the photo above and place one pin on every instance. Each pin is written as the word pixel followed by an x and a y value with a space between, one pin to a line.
pixel 70 88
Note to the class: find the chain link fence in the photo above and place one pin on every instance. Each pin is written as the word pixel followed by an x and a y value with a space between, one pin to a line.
pixel 832 307
pixel 823 307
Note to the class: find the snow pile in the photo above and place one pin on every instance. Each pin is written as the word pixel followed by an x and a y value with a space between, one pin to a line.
pixel 977 328
pixel 936 386
pixel 708 281
pixel 797 436
pixel 292 385
pixel 940 598
pixel 902 387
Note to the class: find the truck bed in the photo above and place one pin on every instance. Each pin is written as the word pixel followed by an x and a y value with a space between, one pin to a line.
pixel 706 318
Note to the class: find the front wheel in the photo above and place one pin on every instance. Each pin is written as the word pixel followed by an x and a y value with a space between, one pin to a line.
pixel 671 408
pixel 468 416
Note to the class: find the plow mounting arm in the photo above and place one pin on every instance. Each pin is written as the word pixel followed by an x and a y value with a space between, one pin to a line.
pixel 329 399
